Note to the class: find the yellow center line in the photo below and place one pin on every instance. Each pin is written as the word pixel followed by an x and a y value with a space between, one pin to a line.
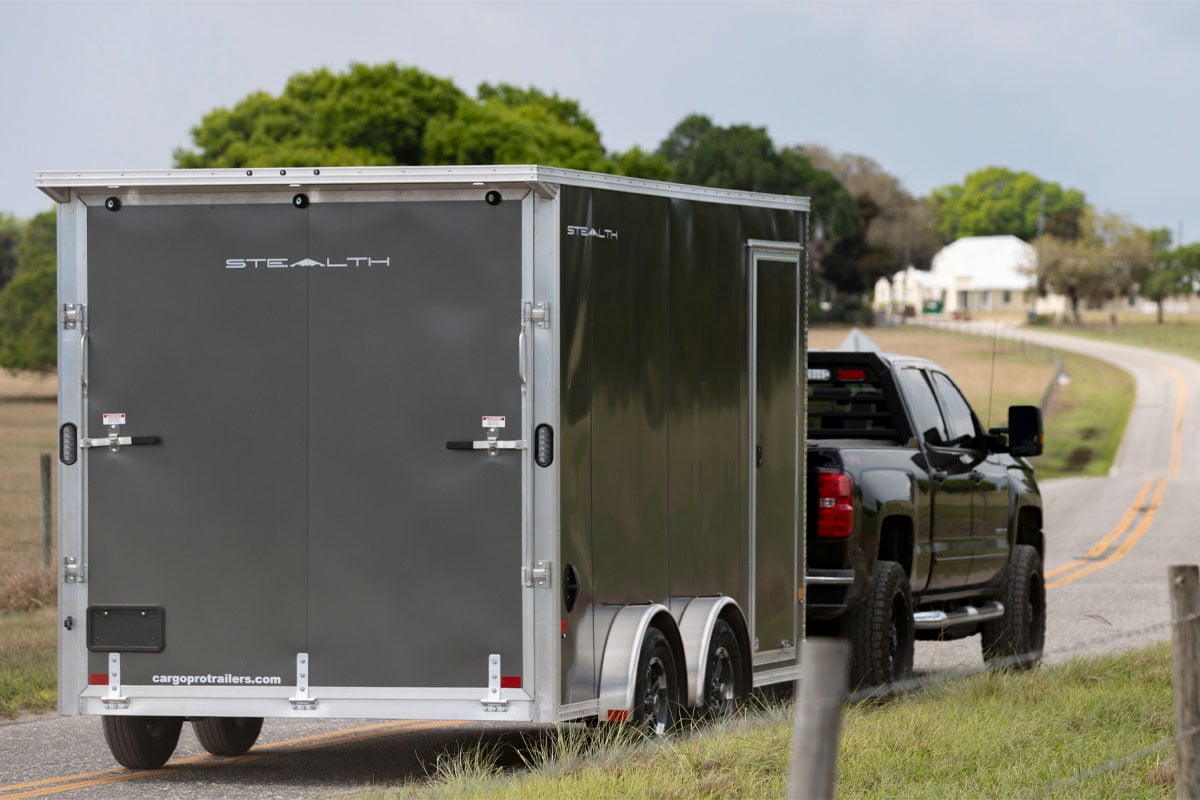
pixel 51 786
pixel 1180 407
pixel 1077 568
pixel 1125 546
pixel 1102 545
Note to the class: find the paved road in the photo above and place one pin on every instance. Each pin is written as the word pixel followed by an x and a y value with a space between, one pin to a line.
pixel 1110 540
pixel 1102 595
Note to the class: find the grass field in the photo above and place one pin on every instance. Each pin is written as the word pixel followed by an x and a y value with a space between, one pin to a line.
pixel 1037 734
pixel 27 616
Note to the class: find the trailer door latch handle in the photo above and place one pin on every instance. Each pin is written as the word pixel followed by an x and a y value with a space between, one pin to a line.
pixel 115 441
pixel 493 444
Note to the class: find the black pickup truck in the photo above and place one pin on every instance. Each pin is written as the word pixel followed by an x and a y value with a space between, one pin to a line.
pixel 921 524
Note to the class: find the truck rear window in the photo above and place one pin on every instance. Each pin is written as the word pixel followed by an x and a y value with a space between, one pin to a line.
pixel 848 402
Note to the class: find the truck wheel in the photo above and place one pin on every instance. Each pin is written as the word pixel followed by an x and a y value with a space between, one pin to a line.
pixel 227 736
pixel 1016 639
pixel 724 675
pixel 880 630
pixel 142 742
pixel 656 688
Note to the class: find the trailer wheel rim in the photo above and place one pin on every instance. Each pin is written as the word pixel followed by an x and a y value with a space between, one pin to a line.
pixel 655 701
pixel 721 682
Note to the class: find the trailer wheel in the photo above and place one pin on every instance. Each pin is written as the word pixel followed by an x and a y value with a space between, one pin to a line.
pixel 227 736
pixel 724 675
pixel 1016 639
pixel 656 688
pixel 142 742
pixel 880 629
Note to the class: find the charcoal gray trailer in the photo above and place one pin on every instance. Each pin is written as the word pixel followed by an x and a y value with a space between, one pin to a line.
pixel 479 443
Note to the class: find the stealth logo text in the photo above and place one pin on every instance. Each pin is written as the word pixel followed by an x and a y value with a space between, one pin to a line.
pixel 308 263
pixel 595 233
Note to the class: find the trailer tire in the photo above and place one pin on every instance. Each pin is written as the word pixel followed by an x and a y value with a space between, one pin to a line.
pixel 725 688
pixel 1016 639
pixel 142 742
pixel 227 736
pixel 880 630
pixel 656 686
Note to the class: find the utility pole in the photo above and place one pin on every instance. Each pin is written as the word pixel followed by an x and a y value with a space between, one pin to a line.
pixel 1037 272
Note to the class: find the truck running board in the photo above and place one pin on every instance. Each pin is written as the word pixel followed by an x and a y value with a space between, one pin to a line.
pixel 940 620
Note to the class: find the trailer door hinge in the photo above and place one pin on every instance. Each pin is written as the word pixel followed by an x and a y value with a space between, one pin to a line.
pixel 73 571
pixel 538 575
pixel 72 315
pixel 537 312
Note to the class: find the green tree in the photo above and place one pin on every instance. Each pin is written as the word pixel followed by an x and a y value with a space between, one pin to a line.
pixel 1111 257
pixel 744 157
pixel 369 115
pixel 996 200
pixel 28 324
pixel 10 240
pixel 509 125
pixel 892 228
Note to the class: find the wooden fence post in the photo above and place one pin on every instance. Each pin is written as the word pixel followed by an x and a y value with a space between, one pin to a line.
pixel 1185 640
pixel 824 684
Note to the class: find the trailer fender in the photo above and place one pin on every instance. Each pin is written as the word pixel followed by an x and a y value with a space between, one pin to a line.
pixel 696 628
pixel 621 649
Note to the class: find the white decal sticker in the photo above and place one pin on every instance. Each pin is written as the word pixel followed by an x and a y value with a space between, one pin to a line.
pixel 493 422
pixel 114 419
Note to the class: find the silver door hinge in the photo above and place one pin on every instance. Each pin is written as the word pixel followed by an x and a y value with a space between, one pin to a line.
pixel 72 315
pixel 536 312
pixel 73 571
pixel 538 575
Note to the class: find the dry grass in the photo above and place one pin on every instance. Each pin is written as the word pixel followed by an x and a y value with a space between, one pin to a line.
pixel 28 421
pixel 29 590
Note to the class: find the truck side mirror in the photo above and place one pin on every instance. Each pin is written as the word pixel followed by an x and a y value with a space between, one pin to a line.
pixel 1025 436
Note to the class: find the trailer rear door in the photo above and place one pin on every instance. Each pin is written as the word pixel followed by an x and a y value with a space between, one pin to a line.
pixel 304 370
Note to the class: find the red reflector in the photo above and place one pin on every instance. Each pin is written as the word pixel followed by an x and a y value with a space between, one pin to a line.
pixel 510 681
pixel 835 504
pixel 618 715
pixel 564 627
pixel 98 679
pixel 851 375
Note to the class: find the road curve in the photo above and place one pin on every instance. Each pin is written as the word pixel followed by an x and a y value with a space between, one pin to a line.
pixel 1110 540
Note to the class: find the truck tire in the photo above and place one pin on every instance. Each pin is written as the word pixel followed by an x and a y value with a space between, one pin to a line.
pixel 880 630
pixel 724 675
pixel 656 687
pixel 227 736
pixel 142 742
pixel 1016 640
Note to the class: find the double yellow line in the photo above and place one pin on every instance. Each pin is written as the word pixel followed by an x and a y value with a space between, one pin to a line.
pixel 1126 534
pixel 52 786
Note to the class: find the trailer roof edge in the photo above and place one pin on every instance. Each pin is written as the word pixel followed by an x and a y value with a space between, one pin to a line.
pixel 59 185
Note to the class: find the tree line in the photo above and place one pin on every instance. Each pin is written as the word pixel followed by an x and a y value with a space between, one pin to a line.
pixel 865 225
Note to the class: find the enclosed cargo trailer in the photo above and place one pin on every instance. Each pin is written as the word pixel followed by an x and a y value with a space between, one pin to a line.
pixel 485 443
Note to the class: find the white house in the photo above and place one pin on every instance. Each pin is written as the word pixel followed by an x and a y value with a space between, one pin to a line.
pixel 975 274
pixel 913 288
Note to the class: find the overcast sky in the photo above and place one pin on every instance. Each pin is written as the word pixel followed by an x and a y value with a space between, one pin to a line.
pixel 1098 96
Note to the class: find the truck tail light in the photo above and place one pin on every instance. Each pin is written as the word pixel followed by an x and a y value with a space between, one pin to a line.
pixel 847 375
pixel 835 504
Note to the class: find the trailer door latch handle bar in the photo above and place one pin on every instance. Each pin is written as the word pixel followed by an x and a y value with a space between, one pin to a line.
pixel 115 441
pixel 493 444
